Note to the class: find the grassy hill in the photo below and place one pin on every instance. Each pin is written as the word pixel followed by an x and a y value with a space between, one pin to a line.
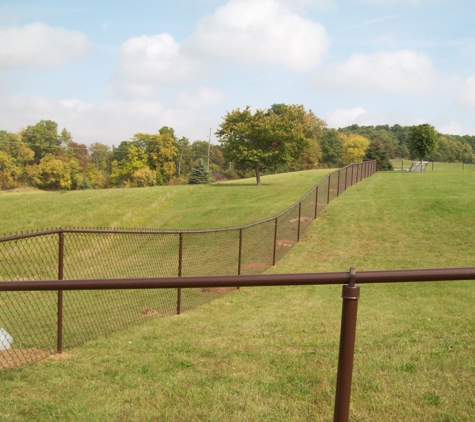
pixel 271 353
pixel 163 207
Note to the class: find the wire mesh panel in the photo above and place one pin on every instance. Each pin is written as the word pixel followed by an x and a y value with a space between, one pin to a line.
pixel 89 314
pixel 333 191
pixel 322 196
pixel 28 327
pixel 210 253
pixel 287 231
pixel 29 258
pixel 120 255
pixel 257 247
pixel 307 211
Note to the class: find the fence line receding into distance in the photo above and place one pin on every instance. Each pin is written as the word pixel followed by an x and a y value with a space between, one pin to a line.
pixel 43 322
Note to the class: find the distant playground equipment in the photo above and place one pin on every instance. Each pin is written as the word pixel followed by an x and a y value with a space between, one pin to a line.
pixel 419 166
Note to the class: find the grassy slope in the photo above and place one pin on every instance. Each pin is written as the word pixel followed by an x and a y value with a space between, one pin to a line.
pixel 270 354
pixel 165 207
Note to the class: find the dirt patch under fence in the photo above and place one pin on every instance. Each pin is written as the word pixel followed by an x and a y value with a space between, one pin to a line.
pixel 219 290
pixel 11 358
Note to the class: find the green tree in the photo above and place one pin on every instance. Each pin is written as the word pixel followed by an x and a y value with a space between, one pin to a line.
pixel 423 139
pixel 264 138
pixel 377 151
pixel 10 172
pixel 100 155
pixel 199 173
pixel 42 138
pixel 136 159
pixel 332 147
pixel 51 173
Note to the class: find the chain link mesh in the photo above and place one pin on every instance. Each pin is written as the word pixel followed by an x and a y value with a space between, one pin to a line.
pixel 29 320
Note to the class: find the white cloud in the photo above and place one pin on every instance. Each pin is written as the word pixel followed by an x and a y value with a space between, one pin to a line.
pixel 199 98
pixel 345 117
pixel 391 2
pixel 37 45
pixel 466 93
pixel 404 71
pixel 109 122
pixel 149 62
pixel 260 32
pixel 74 104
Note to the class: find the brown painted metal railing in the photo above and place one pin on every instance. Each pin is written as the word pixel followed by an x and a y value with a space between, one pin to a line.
pixel 350 295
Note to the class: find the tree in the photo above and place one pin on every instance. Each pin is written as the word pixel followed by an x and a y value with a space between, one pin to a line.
pixel 42 138
pixel 332 147
pixel 9 171
pixel 161 152
pixel 423 140
pixel 264 138
pixel 376 151
pixel 199 173
pixel 100 155
pixel 51 173
pixel 354 147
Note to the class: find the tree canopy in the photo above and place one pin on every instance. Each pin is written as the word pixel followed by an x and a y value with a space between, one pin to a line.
pixel 265 137
pixel 423 139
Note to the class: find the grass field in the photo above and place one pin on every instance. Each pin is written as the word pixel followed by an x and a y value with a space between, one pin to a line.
pixel 164 207
pixel 271 353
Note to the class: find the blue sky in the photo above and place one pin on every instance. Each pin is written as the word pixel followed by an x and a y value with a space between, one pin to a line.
pixel 106 70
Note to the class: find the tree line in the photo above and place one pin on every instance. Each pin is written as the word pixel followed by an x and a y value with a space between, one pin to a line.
pixel 280 139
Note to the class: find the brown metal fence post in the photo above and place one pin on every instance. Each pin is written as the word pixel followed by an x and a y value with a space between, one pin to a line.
pixel 316 203
pixel 240 252
pixel 350 295
pixel 59 338
pixel 298 227
pixel 352 170
pixel 180 273
pixel 274 256
pixel 346 176
pixel 338 186
pixel 329 185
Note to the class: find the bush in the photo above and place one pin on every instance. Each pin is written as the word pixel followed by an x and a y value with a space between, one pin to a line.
pixel 85 184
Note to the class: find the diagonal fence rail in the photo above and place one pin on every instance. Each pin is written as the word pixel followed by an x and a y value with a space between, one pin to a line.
pixel 350 294
pixel 44 322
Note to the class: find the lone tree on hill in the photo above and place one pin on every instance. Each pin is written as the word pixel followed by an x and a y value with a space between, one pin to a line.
pixel 423 140
pixel 199 174
pixel 267 137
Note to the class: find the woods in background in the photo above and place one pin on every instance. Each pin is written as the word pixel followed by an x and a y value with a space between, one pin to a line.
pixel 281 139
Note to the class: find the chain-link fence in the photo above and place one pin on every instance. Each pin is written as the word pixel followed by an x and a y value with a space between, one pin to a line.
pixel 35 324
pixel 405 165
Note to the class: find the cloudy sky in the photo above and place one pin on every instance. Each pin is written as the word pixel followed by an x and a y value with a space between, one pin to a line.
pixel 108 69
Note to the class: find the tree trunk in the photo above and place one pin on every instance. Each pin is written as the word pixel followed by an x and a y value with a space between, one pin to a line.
pixel 258 176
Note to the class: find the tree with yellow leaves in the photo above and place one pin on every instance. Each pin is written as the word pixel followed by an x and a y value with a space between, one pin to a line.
pixel 354 148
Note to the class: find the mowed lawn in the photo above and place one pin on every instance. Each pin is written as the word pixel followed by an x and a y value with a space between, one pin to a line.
pixel 226 204
pixel 271 353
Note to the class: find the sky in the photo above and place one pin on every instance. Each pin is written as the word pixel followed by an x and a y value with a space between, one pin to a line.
pixel 105 70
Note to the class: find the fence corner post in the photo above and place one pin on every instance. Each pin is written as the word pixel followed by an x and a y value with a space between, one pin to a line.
pixel 350 295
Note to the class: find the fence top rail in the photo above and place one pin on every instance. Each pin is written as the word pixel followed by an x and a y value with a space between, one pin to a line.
pixel 162 231
pixel 347 277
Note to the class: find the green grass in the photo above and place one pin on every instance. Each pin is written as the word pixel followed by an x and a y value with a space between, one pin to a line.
pixel 271 353
pixel 164 207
